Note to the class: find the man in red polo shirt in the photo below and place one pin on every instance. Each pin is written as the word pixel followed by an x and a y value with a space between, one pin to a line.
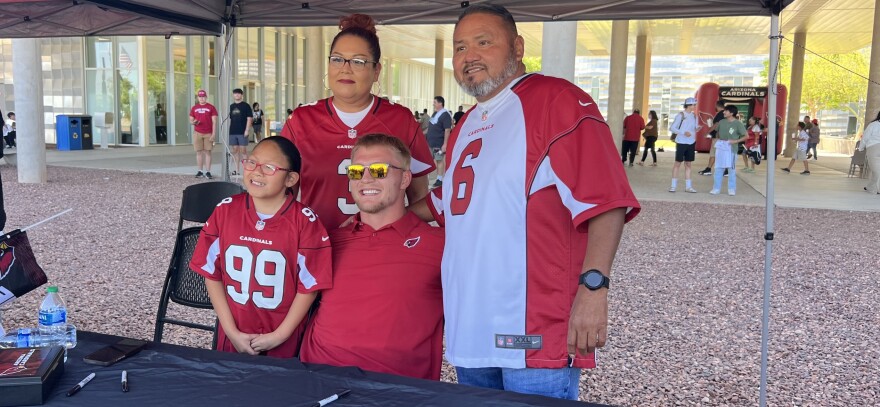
pixel 632 132
pixel 385 310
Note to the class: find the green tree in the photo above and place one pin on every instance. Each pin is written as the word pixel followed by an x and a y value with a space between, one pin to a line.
pixel 533 64
pixel 826 84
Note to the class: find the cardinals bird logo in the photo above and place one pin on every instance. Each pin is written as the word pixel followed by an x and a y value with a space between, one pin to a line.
pixel 410 243
pixel 7 259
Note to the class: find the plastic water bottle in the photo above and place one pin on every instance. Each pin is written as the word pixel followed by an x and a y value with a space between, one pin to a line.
pixel 32 338
pixel 53 313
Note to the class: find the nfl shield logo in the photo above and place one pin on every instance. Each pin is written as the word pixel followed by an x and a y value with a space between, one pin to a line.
pixel 352 133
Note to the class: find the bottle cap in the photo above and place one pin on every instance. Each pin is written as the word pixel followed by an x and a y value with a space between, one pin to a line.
pixel 51 289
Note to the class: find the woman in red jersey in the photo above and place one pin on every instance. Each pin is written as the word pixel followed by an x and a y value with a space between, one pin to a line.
pixel 326 130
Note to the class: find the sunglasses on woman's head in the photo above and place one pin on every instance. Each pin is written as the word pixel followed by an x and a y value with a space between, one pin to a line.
pixel 377 170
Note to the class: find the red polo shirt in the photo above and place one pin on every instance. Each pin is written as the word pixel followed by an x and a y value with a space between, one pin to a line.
pixel 632 127
pixel 385 310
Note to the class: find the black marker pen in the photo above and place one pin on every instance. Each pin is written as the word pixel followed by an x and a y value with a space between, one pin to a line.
pixel 81 384
pixel 332 398
pixel 124 381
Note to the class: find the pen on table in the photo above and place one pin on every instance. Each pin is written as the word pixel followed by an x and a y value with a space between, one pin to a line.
pixel 332 398
pixel 124 381
pixel 81 384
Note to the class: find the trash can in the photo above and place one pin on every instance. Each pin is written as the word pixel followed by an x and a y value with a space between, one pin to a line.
pixel 87 141
pixel 69 131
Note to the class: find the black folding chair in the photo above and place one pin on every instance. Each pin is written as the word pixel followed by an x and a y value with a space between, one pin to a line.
pixel 184 286
pixel 199 200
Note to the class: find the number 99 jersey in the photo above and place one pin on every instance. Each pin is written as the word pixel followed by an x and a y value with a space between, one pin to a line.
pixel 263 264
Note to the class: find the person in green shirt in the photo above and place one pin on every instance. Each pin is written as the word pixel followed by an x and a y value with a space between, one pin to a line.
pixel 730 133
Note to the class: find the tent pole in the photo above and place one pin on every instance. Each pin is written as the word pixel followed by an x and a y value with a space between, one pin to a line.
pixel 769 206
pixel 224 90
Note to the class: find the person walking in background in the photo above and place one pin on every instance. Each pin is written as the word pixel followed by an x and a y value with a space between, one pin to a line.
pixel 457 116
pixel 719 116
pixel 684 127
pixel 258 122
pixel 650 138
pixel 439 127
pixel 423 121
pixel 752 151
pixel 871 145
pixel 731 132
pixel 203 117
pixel 814 140
pixel 632 131
pixel 801 153
pixel 9 134
pixel 240 121
pixel 325 131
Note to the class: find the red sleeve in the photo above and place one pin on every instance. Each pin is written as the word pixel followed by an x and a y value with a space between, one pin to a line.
pixel 205 258
pixel 314 256
pixel 434 200
pixel 287 130
pixel 589 149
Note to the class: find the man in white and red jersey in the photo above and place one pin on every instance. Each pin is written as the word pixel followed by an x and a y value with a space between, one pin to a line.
pixel 325 142
pixel 385 310
pixel 203 117
pixel 263 263
pixel 534 203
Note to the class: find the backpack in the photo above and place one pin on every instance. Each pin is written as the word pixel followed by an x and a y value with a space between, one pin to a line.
pixel 672 133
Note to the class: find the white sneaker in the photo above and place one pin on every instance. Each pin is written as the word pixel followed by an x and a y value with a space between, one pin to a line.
pixel 731 193
pixel 691 190
pixel 714 192
pixel 671 189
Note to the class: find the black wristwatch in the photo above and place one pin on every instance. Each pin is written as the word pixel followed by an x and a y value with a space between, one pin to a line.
pixel 594 280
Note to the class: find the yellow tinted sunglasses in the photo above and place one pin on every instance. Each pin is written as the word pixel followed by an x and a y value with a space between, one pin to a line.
pixel 377 170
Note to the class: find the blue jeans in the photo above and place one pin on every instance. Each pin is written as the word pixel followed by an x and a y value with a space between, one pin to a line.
pixel 557 383
pixel 731 179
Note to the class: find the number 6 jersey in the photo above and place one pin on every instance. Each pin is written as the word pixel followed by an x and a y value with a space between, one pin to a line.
pixel 263 264
pixel 526 171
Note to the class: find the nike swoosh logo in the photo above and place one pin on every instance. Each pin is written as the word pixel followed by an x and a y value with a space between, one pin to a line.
pixel 325 238
pixel 584 104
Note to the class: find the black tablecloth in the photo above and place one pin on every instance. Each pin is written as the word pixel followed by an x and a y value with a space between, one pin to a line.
pixel 164 374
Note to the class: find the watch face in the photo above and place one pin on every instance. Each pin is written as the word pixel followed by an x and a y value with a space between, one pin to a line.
pixel 594 279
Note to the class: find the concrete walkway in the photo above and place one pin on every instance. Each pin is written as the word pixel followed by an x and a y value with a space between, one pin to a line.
pixel 828 186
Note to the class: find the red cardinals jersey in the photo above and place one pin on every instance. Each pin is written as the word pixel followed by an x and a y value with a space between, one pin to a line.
pixel 526 171
pixel 263 264
pixel 325 143
pixel 204 114
pixel 384 313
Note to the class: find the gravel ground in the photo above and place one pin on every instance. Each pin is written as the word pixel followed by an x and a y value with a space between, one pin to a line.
pixel 685 309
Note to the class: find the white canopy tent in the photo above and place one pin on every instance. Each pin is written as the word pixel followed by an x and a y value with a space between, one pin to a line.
pixel 66 18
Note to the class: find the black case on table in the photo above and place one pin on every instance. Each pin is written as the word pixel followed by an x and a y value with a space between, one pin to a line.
pixel 28 380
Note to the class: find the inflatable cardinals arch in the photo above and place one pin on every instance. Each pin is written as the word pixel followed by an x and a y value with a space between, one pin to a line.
pixel 751 101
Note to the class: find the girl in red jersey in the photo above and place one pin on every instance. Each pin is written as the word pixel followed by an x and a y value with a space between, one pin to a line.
pixel 325 131
pixel 264 256
pixel 752 152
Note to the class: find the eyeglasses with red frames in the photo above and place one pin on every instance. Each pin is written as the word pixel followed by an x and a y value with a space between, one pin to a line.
pixel 377 170
pixel 266 169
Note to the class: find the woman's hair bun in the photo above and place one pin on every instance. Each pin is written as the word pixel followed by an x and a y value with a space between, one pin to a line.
pixel 362 21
